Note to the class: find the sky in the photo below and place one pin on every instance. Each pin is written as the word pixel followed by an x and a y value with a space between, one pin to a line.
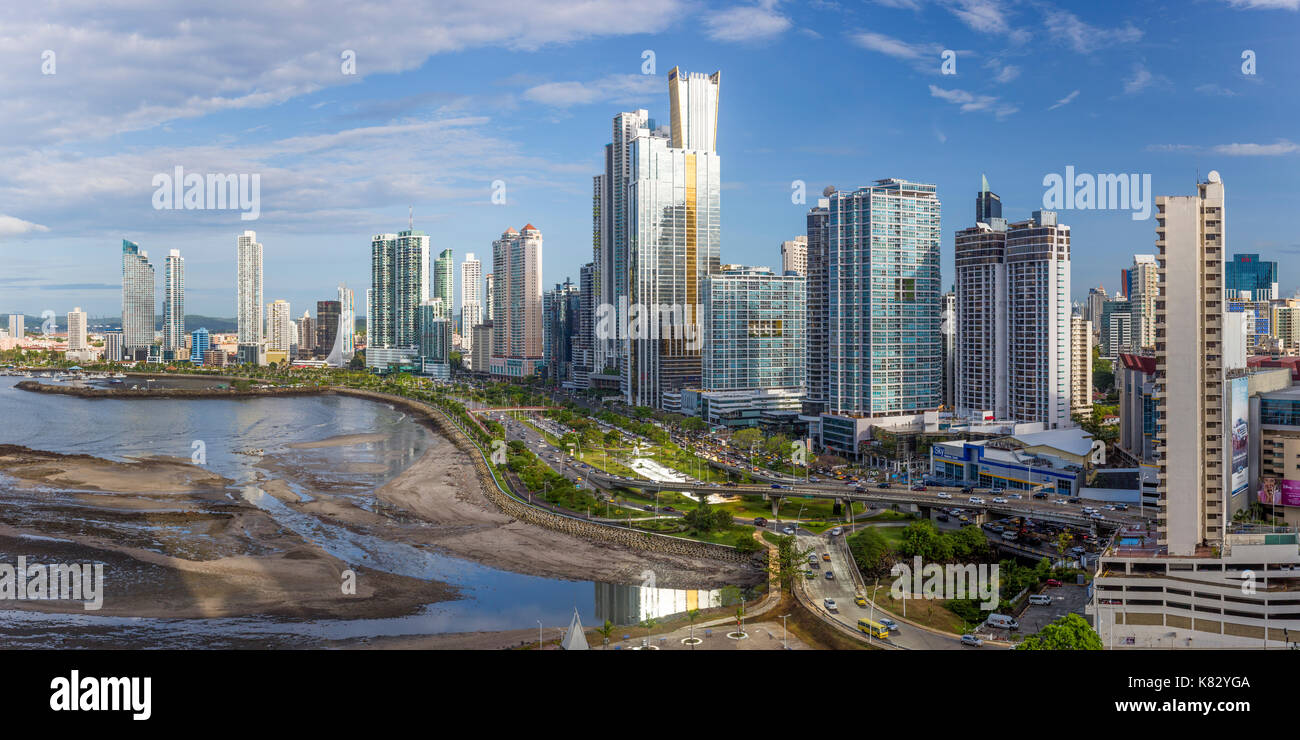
pixel 451 96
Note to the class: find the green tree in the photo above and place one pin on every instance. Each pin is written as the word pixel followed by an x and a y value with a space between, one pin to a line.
pixel 871 551
pixel 605 630
pixel 1071 632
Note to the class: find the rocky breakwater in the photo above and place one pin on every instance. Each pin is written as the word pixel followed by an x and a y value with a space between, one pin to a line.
pixel 81 391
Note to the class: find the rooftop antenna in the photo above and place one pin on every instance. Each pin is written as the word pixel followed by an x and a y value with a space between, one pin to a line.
pixel 410 218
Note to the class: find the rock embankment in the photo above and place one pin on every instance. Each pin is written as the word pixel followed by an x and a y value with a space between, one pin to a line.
pixel 183 393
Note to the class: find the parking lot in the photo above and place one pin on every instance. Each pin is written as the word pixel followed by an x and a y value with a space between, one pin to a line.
pixel 1065 599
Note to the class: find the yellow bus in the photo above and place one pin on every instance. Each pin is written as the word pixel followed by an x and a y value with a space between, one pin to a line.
pixel 875 629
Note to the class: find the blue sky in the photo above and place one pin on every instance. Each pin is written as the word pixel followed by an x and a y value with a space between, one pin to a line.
pixel 450 96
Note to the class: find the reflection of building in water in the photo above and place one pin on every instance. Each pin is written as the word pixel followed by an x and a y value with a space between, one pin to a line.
pixel 632 604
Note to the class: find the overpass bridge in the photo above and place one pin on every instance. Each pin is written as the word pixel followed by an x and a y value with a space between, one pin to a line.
pixel 924 501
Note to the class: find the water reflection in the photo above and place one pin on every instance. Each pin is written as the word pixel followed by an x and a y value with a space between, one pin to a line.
pixel 633 604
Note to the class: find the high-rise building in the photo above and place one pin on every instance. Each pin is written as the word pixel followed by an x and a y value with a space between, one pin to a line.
pixel 347 337
pixel 306 335
pixel 77 330
pixel 174 302
pixel 1092 309
pixel 794 255
pixel 471 299
pixel 489 297
pixel 885 350
pixel 399 267
pixel 674 241
pixel 988 205
pixel 113 346
pixel 200 344
pixel 1038 323
pixel 444 279
pixel 1250 279
pixel 517 329
pixel 817 302
pixel 754 346
pixel 480 357
pixel 981 385
pixel 1080 364
pixel 434 341
pixel 1116 327
pixel 1193 412
pixel 560 308
pixel 249 288
pixel 281 332
pixel 1143 291
pixel 583 356
pixel 327 325
pixel 138 300
pixel 948 329
pixel 17 330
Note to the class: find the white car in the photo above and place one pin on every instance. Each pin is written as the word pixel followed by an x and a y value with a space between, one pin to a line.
pixel 976 500
pixel 1097 515
pixel 942 494
pixel 788 530
pixel 999 500
pixel 829 604
pixel 837 531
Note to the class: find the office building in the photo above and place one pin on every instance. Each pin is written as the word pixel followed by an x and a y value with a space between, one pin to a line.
pixel 17 328
pixel 1250 279
pixel 1116 328
pixel 948 330
pixel 1080 365
pixel 1038 323
pixel 480 356
pixel 517 329
pixel 794 255
pixel 471 299
pixel 444 280
pixel 113 346
pixel 1093 307
pixel 306 336
pixel 988 206
pixel 327 325
pixel 200 345
pixel 434 340
pixel 1055 461
pixel 982 355
pixel 884 346
pixel 560 309
pixel 249 288
pixel 582 354
pixel 1135 382
pixel 138 299
pixel 1285 325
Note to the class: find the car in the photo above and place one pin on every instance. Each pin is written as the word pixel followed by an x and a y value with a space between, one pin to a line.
pixel 943 494
pixel 942 517
pixel 1074 500
pixel 890 624
pixel 787 530
pixel 1053 582
pixel 760 522
pixel 837 531
pixel 809 574
pixel 976 500
pixel 1097 515
pixel 884 485
pixel 826 557
pixel 860 601
pixel 830 605
pixel 1015 496
pixel 1040 495
pixel 666 508
pixel 814 479
pixel 972 641
pixel 730 484
pixel 830 575
pixel 999 500
pixel 918 487
pixel 967 489
pixel 1121 507
pixel 812 558
pixel 963 518
pixel 1060 502
pixel 777 486
pixel 859 489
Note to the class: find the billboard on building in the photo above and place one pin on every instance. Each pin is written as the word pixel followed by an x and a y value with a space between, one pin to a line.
pixel 1238 412
pixel 1275 492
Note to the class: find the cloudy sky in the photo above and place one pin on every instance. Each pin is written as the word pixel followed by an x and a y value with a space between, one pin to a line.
pixel 449 96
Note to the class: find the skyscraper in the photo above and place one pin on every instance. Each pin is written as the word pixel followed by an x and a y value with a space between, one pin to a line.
pixel 174 302
pixel 444 280
pixel 980 386
pixel 1193 413
pixel 560 309
pixel 347 340
pixel 306 335
pixel 794 255
pixel 489 297
pixel 200 343
pixel 248 299
pixel 17 330
pixel 137 299
pixel 674 241
pixel 1143 290
pixel 281 332
pixel 517 329
pixel 471 299
pixel 327 325
pixel 77 330
pixel 584 335
pixel 988 205
pixel 1080 364
pixel 948 329
pixel 398 270
pixel 885 350
pixel 817 301
pixel 1038 325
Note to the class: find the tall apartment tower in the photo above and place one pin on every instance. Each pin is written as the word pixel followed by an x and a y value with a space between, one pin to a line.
pixel 399 271
pixel 1144 287
pixel 980 366
pixel 138 298
pixel 77 330
pixel 674 241
pixel 517 328
pixel 346 342
pixel 174 301
pixel 948 330
pixel 306 335
pixel 816 303
pixel 1080 364
pixel 17 330
pixel 885 350
pixel 471 299
pixel 1190 406
pixel 489 297
pixel 794 255
pixel 281 332
pixel 444 279
pixel 248 310
pixel 1038 322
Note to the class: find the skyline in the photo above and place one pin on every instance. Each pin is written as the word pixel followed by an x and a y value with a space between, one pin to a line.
pixel 1078 95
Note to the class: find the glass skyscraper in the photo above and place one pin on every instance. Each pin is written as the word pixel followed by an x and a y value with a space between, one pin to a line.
pixel 398 279
pixel 1248 273
pixel 174 301
pixel 137 298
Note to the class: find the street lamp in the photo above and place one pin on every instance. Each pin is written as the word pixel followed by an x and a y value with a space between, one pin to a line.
pixel 784 645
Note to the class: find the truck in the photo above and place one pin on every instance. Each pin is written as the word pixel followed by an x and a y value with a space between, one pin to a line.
pixel 1002 621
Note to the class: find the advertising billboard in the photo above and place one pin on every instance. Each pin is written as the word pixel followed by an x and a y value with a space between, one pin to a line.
pixel 1274 492
pixel 1239 449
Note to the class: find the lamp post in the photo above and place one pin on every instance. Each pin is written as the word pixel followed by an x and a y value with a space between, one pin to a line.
pixel 784 645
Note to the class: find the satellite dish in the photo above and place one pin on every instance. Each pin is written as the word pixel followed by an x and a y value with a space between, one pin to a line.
pixel 828 191
pixel 1213 176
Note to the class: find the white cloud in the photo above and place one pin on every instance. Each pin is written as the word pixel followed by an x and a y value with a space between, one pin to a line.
pixel 897 48
pixel 1266 4
pixel 970 103
pixel 1008 73
pixel 1141 80
pixel 985 16
pixel 1065 100
pixel 1213 89
pixel 1282 146
pixel 612 90
pixel 11 226
pixel 747 22
pixel 1083 37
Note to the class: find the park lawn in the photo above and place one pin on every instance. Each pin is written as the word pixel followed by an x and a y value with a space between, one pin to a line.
pixel 720 537
pixel 889 516
pixel 929 612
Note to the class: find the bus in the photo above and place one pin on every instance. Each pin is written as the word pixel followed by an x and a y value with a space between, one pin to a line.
pixel 875 629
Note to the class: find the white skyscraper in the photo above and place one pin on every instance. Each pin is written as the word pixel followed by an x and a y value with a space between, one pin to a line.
pixel 280 332
pixel 1144 289
pixel 249 288
pixel 139 299
pixel 346 337
pixel 471 299
pixel 794 255
pixel 16 325
pixel 1038 320
pixel 174 301
pixel 77 330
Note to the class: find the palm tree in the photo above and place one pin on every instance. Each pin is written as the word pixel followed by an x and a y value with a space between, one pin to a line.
pixel 605 630
pixel 740 617
pixel 649 623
